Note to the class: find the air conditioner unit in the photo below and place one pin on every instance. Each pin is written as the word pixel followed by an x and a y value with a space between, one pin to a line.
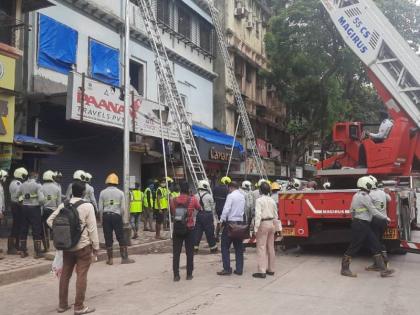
pixel 240 13
pixel 269 147
pixel 249 25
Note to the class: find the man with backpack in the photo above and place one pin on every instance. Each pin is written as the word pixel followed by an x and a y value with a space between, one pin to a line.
pixel 112 210
pixel 184 209
pixel 205 217
pixel 32 197
pixel 75 232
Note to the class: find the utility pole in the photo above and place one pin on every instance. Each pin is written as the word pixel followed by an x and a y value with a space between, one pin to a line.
pixel 126 168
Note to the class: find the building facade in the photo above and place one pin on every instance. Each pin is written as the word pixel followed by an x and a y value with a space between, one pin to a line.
pixel 12 30
pixel 85 38
pixel 245 23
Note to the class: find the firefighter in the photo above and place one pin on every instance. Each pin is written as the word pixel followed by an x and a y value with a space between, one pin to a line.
pixel 205 217
pixel 20 175
pixel 249 198
pixel 380 199
pixel 161 207
pixel 90 192
pixel 57 180
pixel 136 208
pixel 112 211
pixel 3 177
pixel 362 210
pixel 78 175
pixel 148 207
pixel 220 193
pixel 30 192
pixel 170 185
pixel 52 194
pixel 384 128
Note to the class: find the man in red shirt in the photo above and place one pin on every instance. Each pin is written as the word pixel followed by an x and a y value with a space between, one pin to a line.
pixel 184 229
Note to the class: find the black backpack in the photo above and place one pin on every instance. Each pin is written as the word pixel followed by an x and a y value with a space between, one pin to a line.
pixel 180 218
pixel 66 226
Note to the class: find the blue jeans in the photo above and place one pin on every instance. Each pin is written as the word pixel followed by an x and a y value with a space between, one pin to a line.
pixel 226 241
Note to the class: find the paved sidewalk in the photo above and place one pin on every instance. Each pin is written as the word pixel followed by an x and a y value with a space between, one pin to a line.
pixel 13 268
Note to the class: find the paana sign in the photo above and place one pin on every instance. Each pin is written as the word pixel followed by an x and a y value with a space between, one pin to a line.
pixel 100 104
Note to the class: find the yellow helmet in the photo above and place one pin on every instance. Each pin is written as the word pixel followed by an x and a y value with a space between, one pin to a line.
pixel 275 186
pixel 112 179
pixel 226 180
pixel 169 179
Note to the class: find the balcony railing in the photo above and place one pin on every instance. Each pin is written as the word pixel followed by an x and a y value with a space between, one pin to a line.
pixel 10 30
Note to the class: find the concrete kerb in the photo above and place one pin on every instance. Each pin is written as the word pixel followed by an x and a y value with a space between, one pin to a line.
pixel 26 273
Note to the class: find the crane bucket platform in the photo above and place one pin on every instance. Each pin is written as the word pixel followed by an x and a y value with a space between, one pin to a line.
pixel 383 50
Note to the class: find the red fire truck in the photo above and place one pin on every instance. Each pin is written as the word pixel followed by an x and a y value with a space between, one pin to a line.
pixel 323 216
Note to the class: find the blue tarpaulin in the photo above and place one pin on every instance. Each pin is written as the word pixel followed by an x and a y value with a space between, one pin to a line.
pixel 24 139
pixel 104 61
pixel 216 137
pixel 57 45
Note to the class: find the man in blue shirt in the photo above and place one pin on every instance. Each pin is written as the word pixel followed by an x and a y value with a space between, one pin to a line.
pixel 233 212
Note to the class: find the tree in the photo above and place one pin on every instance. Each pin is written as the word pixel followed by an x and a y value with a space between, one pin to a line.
pixel 317 77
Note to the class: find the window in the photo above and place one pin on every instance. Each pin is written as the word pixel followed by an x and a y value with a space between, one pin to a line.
pixel 184 23
pixel 57 45
pixel 184 100
pixel 163 11
pixel 259 82
pixel 7 21
pixel 104 63
pixel 137 76
pixel 248 73
pixel 239 67
pixel 205 36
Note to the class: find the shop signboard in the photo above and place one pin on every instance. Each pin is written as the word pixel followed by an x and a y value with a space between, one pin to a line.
pixel 214 152
pixel 100 104
pixel 262 148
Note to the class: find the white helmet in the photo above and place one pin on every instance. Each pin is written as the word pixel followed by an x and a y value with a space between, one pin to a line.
pixel 246 184
pixel 296 183
pixel 327 185
pixel 80 175
pixel 3 175
pixel 203 184
pixel 262 180
pixel 20 173
pixel 49 176
pixel 365 183
pixel 88 177
pixel 374 182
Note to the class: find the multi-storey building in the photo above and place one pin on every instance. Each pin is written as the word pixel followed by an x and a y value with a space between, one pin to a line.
pixel 80 39
pixel 12 30
pixel 245 23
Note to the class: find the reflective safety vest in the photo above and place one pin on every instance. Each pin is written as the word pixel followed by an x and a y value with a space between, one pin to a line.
pixel 163 202
pixel 175 194
pixel 358 210
pixel 146 194
pixel 136 201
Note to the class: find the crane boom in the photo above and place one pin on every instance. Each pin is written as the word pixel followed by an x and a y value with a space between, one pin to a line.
pixel 383 50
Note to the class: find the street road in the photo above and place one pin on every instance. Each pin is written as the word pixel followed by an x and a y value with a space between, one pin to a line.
pixel 304 283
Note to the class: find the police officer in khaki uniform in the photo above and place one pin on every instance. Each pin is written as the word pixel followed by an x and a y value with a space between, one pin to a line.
pixel 112 210
pixel 30 192
pixel 52 194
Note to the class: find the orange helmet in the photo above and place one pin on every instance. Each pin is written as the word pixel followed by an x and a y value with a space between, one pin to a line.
pixel 112 179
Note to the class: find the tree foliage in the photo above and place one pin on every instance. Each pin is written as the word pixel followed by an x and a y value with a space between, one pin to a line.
pixel 317 77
